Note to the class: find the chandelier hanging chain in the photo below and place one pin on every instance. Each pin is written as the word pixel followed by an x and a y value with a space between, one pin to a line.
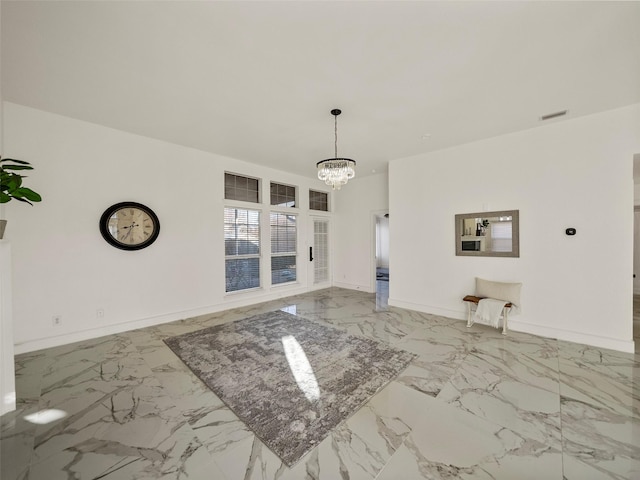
pixel 335 131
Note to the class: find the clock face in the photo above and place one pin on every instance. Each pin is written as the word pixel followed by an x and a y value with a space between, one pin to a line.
pixel 129 226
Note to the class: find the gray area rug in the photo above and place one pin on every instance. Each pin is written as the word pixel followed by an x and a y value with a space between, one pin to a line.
pixel 290 380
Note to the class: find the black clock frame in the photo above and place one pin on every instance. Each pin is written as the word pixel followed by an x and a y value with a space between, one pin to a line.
pixel 108 213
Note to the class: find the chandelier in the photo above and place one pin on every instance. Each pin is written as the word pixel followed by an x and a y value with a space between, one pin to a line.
pixel 336 171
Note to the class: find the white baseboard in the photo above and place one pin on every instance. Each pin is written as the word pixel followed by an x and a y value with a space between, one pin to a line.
pixel 79 336
pixel 239 301
pixel 627 346
pixel 443 312
pixel 230 302
pixel 527 327
pixel 354 286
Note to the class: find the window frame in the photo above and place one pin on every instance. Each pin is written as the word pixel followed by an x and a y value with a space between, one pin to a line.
pixel 289 253
pixel 244 200
pixel 328 210
pixel 296 200
pixel 245 256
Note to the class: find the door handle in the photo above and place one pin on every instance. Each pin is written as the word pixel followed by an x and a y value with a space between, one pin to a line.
pixel 311 254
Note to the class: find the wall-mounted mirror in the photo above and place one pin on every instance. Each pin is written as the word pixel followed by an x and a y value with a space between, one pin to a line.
pixel 488 234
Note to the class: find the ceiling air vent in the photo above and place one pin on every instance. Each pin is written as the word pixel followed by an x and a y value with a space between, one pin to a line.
pixel 549 116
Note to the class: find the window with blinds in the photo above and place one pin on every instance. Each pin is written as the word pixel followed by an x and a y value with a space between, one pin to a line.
pixel 237 187
pixel 283 195
pixel 242 248
pixel 320 251
pixel 318 201
pixel 501 236
pixel 283 248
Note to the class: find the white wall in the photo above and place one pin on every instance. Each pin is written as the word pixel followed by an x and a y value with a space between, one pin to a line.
pixel 575 173
pixel 356 205
pixel 62 266
pixel 636 194
pixel 559 172
pixel 7 365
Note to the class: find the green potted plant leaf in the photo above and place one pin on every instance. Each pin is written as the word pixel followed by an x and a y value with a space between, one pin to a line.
pixel 11 187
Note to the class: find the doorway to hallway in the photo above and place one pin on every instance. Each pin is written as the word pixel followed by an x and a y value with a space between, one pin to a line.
pixel 382 255
pixel 636 277
pixel 636 322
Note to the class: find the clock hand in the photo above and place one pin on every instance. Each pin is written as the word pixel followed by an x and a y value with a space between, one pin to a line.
pixel 129 230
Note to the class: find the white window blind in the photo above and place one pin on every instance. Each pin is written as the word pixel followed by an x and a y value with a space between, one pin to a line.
pixel 501 234
pixel 283 248
pixel 318 201
pixel 283 195
pixel 239 187
pixel 242 248
pixel 320 251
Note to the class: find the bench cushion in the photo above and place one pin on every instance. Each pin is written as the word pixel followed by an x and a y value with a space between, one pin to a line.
pixel 509 292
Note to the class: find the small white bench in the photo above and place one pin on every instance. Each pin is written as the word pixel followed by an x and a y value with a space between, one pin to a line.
pixel 506 292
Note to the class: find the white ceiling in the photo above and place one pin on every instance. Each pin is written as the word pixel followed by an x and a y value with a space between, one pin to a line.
pixel 256 80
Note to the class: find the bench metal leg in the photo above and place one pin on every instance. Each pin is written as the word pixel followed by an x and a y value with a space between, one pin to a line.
pixel 505 318
pixel 505 314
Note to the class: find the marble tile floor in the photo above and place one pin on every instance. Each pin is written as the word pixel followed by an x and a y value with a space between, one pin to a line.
pixel 473 405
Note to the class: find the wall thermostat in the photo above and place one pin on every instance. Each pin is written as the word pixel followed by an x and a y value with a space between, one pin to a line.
pixel 570 231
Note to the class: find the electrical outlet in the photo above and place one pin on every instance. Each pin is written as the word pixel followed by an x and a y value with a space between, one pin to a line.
pixel 56 320
pixel 100 313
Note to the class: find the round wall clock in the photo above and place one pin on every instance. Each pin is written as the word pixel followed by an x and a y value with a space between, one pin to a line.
pixel 129 226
